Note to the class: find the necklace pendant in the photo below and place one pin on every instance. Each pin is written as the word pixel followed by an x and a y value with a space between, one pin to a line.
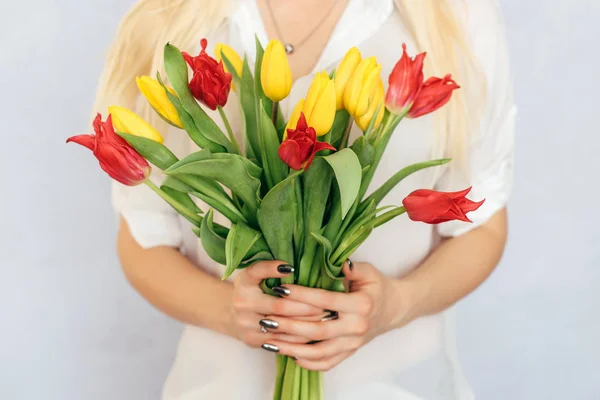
pixel 289 49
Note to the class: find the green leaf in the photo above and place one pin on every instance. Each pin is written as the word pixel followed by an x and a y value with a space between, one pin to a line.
pixel 240 240
pixel 213 243
pixel 176 184
pixel 258 89
pixel 177 71
pixel 181 197
pixel 364 151
pixel 156 153
pixel 277 217
pixel 260 256
pixel 253 169
pixel 333 271
pixel 228 210
pixel 248 100
pixel 380 193
pixel 275 167
pixel 348 173
pixel 316 186
pixel 339 126
pixel 187 121
pixel 232 172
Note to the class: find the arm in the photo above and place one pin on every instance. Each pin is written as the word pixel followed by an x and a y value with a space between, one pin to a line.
pixel 171 283
pixel 456 268
pixel 175 286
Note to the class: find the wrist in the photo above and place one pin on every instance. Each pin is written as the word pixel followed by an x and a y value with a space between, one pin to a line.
pixel 408 299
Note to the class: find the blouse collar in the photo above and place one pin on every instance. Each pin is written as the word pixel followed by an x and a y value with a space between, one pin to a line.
pixel 359 21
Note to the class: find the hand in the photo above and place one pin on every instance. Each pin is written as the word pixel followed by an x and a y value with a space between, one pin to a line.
pixel 372 307
pixel 250 306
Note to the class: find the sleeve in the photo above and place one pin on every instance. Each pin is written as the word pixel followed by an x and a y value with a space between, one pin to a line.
pixel 490 155
pixel 151 220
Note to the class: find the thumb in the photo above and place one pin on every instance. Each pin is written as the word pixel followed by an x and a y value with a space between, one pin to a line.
pixel 358 271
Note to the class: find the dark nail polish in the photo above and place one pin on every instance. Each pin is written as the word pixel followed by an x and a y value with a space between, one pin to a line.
pixel 280 290
pixel 350 264
pixel 270 347
pixel 285 269
pixel 314 342
pixel 293 358
pixel 269 324
pixel 331 316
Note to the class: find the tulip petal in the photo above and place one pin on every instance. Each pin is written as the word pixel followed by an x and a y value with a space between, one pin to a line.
pixel 88 141
pixel 289 154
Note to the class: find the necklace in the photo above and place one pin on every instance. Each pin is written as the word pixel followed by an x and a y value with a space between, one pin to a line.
pixel 290 48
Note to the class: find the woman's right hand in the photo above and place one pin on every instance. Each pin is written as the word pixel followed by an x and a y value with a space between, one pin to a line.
pixel 250 305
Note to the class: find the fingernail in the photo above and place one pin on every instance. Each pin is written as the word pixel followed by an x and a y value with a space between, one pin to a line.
pixel 285 269
pixel 270 347
pixel 268 323
pixel 331 316
pixel 314 342
pixel 350 264
pixel 280 290
pixel 293 358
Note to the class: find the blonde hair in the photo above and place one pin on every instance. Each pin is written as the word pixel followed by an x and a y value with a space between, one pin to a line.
pixel 434 25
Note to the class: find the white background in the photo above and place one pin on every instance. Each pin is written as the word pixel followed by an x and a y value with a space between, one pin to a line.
pixel 71 327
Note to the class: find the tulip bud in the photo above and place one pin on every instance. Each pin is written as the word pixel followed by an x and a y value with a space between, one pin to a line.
pixel 376 102
pixel 360 87
pixel 320 105
pixel 293 121
pixel 232 56
pixel 117 158
pixel 435 93
pixel 343 73
pixel 298 150
pixel 405 83
pixel 127 121
pixel 434 207
pixel 275 73
pixel 156 96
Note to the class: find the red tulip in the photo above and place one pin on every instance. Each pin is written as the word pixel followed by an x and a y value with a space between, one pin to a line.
pixel 434 207
pixel 435 93
pixel 405 82
pixel 210 83
pixel 117 158
pixel 301 145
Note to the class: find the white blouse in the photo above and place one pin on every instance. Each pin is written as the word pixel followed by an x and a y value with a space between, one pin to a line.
pixel 418 361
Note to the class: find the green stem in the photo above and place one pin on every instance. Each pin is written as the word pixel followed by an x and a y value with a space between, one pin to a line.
pixel 274 113
pixel 229 130
pixel 174 203
pixel 280 372
pixel 344 142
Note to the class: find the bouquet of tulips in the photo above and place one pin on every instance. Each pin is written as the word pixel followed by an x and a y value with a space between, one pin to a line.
pixel 298 192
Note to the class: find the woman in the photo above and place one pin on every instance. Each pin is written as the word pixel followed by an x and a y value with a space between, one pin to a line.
pixel 393 336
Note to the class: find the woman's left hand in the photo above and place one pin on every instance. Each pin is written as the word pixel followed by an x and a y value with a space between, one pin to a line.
pixel 373 306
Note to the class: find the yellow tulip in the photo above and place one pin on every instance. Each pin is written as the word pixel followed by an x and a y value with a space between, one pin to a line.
pixel 275 73
pixel 156 96
pixel 127 121
pixel 293 121
pixel 360 87
pixel 320 105
pixel 343 74
pixel 377 100
pixel 232 56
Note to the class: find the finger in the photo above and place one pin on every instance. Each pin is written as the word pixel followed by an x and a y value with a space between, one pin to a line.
pixel 262 270
pixel 358 271
pixel 326 364
pixel 256 338
pixel 268 305
pixel 315 352
pixel 251 325
pixel 348 325
pixel 327 300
